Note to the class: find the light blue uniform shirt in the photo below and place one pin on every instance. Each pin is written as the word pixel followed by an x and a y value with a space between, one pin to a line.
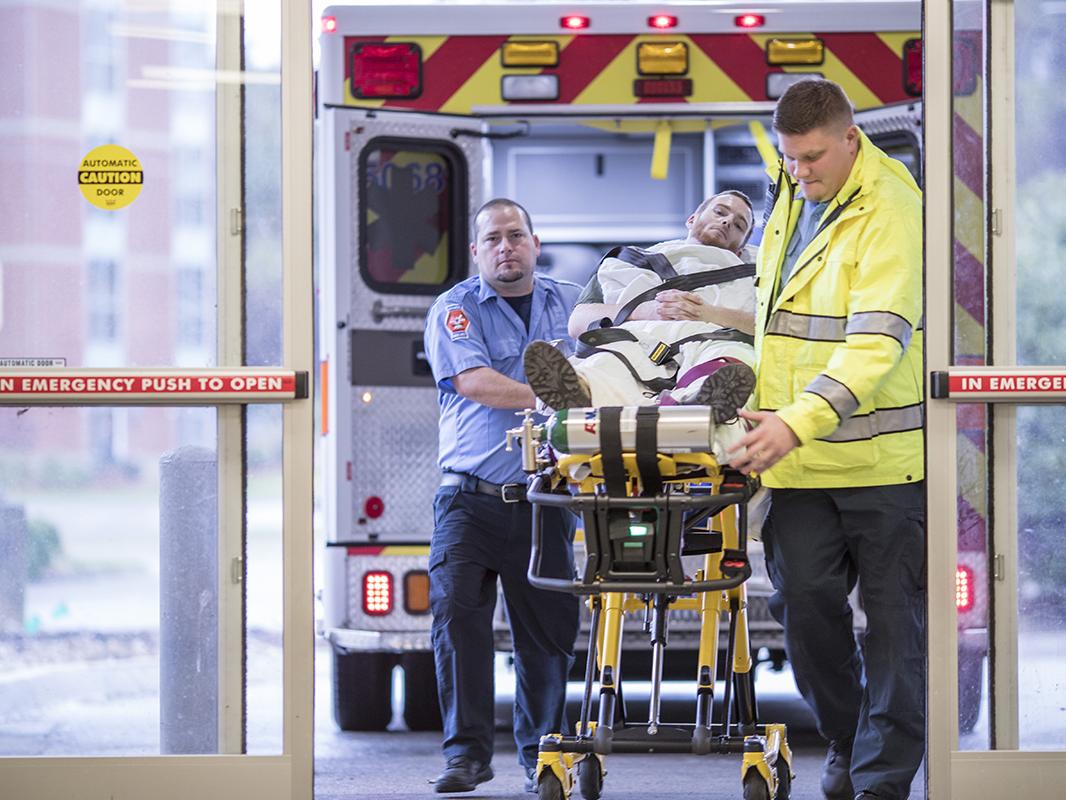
pixel 468 326
pixel 806 227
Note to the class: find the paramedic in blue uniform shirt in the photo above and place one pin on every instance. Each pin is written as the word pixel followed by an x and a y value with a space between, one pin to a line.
pixel 475 336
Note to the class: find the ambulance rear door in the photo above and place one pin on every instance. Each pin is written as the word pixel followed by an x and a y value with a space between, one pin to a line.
pixel 398 190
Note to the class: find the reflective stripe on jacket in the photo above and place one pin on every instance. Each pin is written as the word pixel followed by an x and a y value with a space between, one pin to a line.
pixel 839 352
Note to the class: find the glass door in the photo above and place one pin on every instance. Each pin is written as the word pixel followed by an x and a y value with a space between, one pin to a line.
pixel 993 100
pixel 156 625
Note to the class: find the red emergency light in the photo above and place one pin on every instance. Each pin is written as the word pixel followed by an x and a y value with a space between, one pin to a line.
pixel 386 70
pixel 329 24
pixel 750 21
pixel 573 22
pixel 662 87
pixel 377 593
pixel 662 21
pixel 964 589
pixel 912 67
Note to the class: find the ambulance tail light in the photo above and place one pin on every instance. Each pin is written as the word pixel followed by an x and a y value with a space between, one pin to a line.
pixel 573 22
pixel 749 21
pixel 329 24
pixel 912 67
pixel 386 70
pixel 416 592
pixel 964 589
pixel 377 593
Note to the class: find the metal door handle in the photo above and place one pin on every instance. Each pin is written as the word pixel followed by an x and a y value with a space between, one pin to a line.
pixel 380 311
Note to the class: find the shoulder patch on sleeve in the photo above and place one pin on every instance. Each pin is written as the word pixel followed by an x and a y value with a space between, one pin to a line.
pixel 457 323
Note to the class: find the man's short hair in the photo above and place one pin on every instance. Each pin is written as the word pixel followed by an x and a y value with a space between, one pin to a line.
pixel 736 193
pixel 811 104
pixel 499 202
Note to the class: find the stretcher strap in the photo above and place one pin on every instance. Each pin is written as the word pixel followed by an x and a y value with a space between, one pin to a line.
pixel 642 259
pixel 686 283
pixel 722 335
pixel 647 440
pixel 588 344
pixel 614 470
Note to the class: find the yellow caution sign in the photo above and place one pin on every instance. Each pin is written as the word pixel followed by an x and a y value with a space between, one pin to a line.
pixel 110 177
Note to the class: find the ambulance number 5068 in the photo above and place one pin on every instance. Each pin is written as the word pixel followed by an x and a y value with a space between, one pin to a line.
pixel 429 176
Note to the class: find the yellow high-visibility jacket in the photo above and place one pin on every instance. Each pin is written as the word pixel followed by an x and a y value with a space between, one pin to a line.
pixel 839 351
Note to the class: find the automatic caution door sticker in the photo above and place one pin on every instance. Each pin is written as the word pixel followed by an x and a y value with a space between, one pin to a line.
pixel 110 177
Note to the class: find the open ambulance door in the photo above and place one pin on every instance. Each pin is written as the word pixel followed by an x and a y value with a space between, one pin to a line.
pixel 397 191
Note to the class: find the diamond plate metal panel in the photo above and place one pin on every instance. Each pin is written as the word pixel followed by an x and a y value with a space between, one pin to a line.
pixel 394 457
pixel 399 619
pixel 406 126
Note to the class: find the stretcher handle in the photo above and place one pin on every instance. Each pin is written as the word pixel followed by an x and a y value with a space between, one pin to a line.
pixel 537 498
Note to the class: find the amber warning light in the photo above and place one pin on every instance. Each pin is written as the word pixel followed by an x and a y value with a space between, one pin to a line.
pixel 574 22
pixel 750 21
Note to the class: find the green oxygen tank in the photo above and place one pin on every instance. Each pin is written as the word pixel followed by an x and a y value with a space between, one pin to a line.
pixel 679 429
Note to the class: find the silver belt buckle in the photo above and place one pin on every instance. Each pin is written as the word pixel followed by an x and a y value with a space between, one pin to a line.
pixel 512 492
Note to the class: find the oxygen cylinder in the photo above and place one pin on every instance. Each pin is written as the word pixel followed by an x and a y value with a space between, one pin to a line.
pixel 680 429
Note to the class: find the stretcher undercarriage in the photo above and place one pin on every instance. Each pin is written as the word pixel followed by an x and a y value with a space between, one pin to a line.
pixel 648 492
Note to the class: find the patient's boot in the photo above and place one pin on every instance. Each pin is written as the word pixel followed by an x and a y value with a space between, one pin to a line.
pixel 726 389
pixel 553 378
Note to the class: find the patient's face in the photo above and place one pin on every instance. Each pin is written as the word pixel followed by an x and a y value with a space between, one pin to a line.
pixel 725 222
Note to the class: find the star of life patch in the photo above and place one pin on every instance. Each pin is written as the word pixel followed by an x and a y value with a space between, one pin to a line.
pixel 457 323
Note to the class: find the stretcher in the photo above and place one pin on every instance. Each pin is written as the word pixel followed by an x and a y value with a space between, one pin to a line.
pixel 648 492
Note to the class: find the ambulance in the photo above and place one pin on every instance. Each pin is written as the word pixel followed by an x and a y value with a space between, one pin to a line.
pixel 609 122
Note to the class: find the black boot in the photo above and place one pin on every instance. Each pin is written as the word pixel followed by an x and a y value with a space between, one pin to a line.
pixel 836 772
pixel 462 774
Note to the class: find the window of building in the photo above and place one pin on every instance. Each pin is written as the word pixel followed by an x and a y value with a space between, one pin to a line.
pixel 102 300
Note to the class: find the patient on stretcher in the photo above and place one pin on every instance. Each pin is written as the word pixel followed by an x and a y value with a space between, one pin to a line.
pixel 661 338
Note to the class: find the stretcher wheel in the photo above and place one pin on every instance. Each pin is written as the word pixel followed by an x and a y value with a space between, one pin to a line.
pixel 549 787
pixel 590 778
pixel 755 787
pixel 784 780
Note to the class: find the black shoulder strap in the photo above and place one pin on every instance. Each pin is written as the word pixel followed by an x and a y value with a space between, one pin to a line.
pixel 687 283
pixel 642 259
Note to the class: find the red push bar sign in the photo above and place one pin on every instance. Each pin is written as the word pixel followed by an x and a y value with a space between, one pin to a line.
pixel 150 387
pixel 995 384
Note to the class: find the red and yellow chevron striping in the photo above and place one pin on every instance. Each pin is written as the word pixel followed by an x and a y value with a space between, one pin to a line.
pixel 461 72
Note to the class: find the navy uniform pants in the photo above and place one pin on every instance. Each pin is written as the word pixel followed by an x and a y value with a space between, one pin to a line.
pixel 818 542
pixel 476 538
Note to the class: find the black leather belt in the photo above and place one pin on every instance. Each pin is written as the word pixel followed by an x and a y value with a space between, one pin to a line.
pixel 508 492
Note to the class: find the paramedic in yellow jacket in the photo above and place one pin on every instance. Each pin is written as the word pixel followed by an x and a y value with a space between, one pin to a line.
pixel 838 436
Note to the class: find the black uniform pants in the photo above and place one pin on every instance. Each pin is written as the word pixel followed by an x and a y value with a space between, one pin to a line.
pixel 476 538
pixel 818 542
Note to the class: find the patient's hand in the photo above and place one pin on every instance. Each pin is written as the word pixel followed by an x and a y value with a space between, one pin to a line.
pixel 674 304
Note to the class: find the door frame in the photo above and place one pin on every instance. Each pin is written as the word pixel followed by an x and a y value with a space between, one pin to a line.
pixel 222 777
pixel 951 772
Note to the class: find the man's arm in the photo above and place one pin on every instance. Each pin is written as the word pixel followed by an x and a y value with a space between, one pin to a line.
pixel 678 305
pixel 488 387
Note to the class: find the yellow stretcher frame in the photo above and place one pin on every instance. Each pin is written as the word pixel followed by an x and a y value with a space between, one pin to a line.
pixel 566 762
